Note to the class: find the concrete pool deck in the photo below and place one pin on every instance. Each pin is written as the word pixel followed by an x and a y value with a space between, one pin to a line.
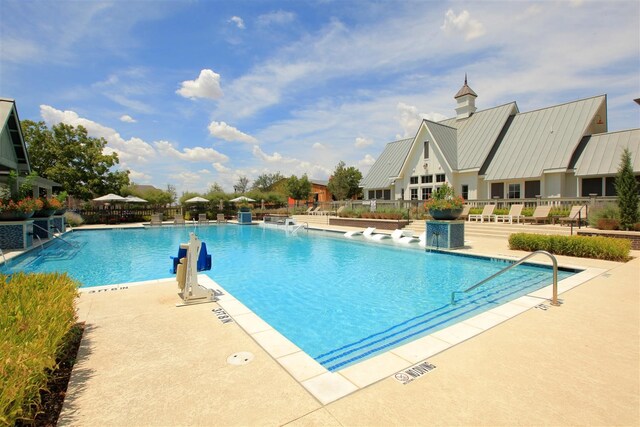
pixel 145 362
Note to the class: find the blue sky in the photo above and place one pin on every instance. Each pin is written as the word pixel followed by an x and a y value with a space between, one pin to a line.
pixel 195 92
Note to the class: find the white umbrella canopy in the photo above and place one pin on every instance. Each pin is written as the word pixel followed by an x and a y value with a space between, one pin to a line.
pixel 110 198
pixel 242 199
pixel 135 199
pixel 197 199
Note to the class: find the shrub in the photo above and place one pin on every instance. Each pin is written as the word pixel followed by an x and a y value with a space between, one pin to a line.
pixel 37 311
pixel 608 224
pixel 627 190
pixel 604 211
pixel 608 248
pixel 73 219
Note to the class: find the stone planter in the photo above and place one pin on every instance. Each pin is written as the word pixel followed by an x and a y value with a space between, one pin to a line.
pixel 15 215
pixel 445 214
pixel 44 213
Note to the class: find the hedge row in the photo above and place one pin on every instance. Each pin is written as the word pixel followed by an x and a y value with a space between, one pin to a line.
pixel 578 246
pixel 37 311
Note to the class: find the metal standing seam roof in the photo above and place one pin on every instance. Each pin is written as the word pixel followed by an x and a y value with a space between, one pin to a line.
pixel 446 138
pixel 8 119
pixel 6 105
pixel 543 139
pixel 388 165
pixel 478 133
pixel 603 152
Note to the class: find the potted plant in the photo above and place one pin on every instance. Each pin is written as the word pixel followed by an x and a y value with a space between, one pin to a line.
pixel 444 204
pixel 62 198
pixel 49 207
pixel 11 210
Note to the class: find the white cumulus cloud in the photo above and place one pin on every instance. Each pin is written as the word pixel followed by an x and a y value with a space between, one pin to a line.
pixel 229 133
pixel 196 154
pixel 318 146
pixel 363 142
pixel 367 161
pixel 127 119
pixel 238 21
pixel 462 23
pixel 207 85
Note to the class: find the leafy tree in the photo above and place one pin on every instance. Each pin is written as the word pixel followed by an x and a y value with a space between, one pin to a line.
pixel 154 196
pixel 215 188
pixel 627 190
pixel 299 189
pixel 67 155
pixel 345 182
pixel 265 181
pixel 242 185
pixel 171 189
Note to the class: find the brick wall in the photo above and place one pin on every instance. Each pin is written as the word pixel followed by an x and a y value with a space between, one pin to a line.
pixel 382 224
pixel 634 236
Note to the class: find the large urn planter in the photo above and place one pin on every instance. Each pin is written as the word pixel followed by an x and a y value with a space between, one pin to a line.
pixel 44 213
pixel 15 215
pixel 445 214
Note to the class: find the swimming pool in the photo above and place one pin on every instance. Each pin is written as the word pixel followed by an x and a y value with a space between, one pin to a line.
pixel 339 300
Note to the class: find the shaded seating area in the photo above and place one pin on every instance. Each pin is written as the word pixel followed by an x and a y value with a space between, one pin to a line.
pixel 515 213
pixel 487 213
pixel 540 215
pixel 577 216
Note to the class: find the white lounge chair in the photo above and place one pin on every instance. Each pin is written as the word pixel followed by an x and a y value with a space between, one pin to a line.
pixel 369 234
pixel 403 236
pixel 515 212
pixel 487 213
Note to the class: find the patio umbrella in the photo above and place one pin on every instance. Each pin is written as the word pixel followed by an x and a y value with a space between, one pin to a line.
pixel 197 199
pixel 135 199
pixel 110 198
pixel 242 199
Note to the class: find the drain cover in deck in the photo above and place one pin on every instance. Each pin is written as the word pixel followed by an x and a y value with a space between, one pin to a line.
pixel 240 358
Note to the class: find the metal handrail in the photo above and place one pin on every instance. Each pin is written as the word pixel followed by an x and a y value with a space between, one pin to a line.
pixel 5 263
pixel 554 299
pixel 52 235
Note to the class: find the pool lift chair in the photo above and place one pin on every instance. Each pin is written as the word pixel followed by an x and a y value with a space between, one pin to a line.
pixel 195 259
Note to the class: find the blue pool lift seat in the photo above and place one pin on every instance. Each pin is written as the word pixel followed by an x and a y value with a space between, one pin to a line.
pixel 204 260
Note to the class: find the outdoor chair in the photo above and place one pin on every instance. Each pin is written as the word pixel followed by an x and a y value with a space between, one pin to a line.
pixel 156 219
pixel 220 218
pixel 202 219
pixel 487 213
pixel 540 214
pixel 313 211
pixel 465 212
pixel 178 220
pixel 515 212
pixel 578 216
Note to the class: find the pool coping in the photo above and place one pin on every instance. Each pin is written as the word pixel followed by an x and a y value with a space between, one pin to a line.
pixel 327 387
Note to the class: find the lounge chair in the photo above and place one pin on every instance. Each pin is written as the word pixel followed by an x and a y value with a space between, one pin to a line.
pixel 422 239
pixel 578 215
pixel 540 214
pixel 308 212
pixel 465 212
pixel 156 219
pixel 340 209
pixel 369 234
pixel 202 219
pixel 178 220
pixel 487 213
pixel 313 211
pixel 403 236
pixel 515 212
pixel 220 218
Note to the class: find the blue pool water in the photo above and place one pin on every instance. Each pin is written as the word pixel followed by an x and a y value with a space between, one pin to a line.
pixel 340 300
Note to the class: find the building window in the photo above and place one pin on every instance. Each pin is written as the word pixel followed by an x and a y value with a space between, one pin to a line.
pixel 514 191
pixel 610 186
pixel 426 193
pixel 497 190
pixel 531 189
pixel 378 194
pixel 387 194
pixel 372 194
pixel 402 194
pixel 426 149
pixel 427 179
pixel 413 180
pixel 414 194
pixel 591 186
pixel 441 177
pixel 465 192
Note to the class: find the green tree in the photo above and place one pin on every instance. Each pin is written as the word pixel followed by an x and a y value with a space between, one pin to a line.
pixel 345 182
pixel 265 181
pixel 627 190
pixel 242 185
pixel 67 155
pixel 215 188
pixel 299 189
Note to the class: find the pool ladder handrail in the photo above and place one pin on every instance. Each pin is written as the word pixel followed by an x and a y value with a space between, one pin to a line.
pixel 554 299
pixel 52 234
pixel 4 260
